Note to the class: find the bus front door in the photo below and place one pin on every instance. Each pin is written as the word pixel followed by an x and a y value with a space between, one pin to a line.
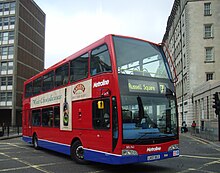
pixel 92 121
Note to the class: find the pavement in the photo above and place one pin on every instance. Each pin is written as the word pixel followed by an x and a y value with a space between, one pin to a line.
pixel 202 140
pixel 16 135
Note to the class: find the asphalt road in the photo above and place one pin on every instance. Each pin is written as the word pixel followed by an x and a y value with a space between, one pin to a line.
pixel 196 156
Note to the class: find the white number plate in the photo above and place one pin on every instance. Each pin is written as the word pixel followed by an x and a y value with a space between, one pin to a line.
pixel 154 157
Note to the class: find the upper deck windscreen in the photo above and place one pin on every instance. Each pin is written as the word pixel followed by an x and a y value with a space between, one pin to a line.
pixel 136 57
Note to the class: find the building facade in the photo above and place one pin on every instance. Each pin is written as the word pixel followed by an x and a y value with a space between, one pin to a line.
pixel 204 113
pixel 22 44
pixel 193 38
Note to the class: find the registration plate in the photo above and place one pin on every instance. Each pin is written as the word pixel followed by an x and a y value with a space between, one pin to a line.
pixel 153 157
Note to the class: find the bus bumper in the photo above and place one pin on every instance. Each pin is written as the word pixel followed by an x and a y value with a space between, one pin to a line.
pixel 114 159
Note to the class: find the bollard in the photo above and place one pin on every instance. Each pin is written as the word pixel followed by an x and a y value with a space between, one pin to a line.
pixel 8 130
pixel 18 129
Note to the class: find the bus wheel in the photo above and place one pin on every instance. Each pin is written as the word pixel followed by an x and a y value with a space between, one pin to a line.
pixel 77 152
pixel 35 142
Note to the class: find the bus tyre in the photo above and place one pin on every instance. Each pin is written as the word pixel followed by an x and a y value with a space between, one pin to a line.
pixel 35 142
pixel 77 152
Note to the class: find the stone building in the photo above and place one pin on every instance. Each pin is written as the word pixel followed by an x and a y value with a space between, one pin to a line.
pixel 193 38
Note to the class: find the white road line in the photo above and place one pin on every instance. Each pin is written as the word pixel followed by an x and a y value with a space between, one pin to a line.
pixel 201 157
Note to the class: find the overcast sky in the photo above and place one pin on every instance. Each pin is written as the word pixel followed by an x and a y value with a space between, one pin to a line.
pixel 73 24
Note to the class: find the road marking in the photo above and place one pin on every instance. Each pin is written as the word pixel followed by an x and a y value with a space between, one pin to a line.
pixel 14 145
pixel 195 139
pixel 200 157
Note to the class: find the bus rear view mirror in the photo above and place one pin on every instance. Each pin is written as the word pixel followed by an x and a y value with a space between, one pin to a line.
pixel 101 105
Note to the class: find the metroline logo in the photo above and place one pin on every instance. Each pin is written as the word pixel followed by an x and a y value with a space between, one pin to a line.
pixel 153 149
pixel 102 83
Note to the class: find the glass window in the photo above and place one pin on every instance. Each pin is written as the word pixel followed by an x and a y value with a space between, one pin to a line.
pixel 47 117
pixel 37 86
pixel 11 35
pixel 101 114
pixel 62 75
pixel 28 90
pixel 13 6
pixel 9 96
pixel 12 20
pixel 56 116
pixel 100 61
pixel 10 80
pixel 48 81
pixel 79 68
pixel 6 5
pixel 209 54
pixel 209 76
pixel 4 51
pixel 5 36
pixel 3 81
pixel 1 22
pixel 1 7
pixel 208 31
pixel 36 117
pixel 6 21
pixel 140 58
pixel 4 66
pixel 207 9
pixel 2 97
pixel 10 65
pixel 10 50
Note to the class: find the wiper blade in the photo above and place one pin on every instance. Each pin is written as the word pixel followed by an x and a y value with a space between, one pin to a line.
pixel 144 134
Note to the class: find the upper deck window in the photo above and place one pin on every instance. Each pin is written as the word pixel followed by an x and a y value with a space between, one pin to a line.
pixel 37 86
pixel 28 90
pixel 62 75
pixel 100 61
pixel 79 68
pixel 136 57
pixel 48 81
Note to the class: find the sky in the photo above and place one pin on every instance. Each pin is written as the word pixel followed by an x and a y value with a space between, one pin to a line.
pixel 72 25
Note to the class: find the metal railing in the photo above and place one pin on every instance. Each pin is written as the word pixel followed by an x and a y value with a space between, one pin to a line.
pixel 8 131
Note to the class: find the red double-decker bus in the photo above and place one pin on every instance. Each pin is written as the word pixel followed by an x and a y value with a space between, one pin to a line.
pixel 112 102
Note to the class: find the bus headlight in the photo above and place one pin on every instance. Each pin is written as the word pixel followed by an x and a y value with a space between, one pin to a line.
pixel 129 153
pixel 173 147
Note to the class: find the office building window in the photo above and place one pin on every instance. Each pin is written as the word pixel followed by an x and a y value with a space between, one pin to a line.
pixel 6 83
pixel 7 8
pixel 2 97
pixel 3 81
pixel 207 9
pixel 6 52
pixel 209 76
pixel 9 80
pixel 12 8
pixel 1 8
pixel 7 37
pixel 9 97
pixel 208 31
pixel 6 68
pixel 209 55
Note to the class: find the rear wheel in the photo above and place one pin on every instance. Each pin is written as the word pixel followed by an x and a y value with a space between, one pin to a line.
pixel 35 142
pixel 77 152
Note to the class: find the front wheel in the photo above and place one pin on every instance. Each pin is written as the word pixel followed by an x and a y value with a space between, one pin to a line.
pixel 77 152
